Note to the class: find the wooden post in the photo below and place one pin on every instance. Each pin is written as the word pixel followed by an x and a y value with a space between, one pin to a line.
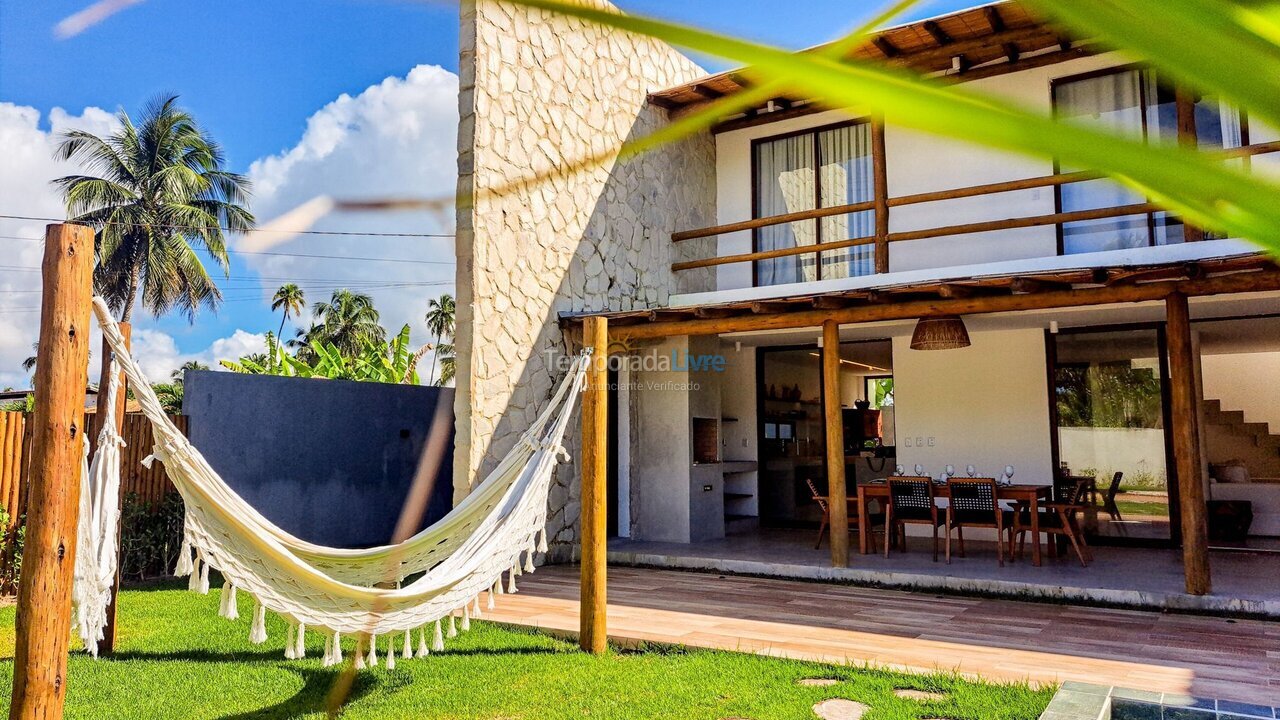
pixel 593 633
pixel 1186 447
pixel 881 175
pixel 1185 103
pixel 838 496
pixel 107 645
pixel 44 593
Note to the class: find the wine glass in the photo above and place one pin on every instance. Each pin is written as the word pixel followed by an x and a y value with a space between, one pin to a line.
pixel 919 470
pixel 949 472
pixel 972 471
pixel 899 471
pixel 1008 473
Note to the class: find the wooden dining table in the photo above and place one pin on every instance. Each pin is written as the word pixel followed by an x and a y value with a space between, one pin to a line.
pixel 1024 495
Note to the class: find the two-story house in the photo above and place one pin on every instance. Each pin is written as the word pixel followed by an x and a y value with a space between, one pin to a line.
pixel 802 301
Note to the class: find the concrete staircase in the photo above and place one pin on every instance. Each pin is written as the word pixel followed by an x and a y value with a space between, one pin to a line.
pixel 1230 436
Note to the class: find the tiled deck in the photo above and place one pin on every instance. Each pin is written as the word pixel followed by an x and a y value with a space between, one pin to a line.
pixel 1243 582
pixel 993 639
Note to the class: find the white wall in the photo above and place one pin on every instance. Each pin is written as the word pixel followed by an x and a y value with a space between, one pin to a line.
pixel 920 163
pixel 1245 381
pixel 986 405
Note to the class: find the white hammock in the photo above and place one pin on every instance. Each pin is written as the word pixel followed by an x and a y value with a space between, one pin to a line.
pixel 496 529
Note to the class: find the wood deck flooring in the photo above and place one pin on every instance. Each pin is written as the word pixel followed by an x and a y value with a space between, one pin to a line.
pixel 998 640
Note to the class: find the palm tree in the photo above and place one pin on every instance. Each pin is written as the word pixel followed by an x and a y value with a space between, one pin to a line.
pixel 440 321
pixel 291 299
pixel 347 321
pixel 29 364
pixel 160 195
pixel 177 375
pixel 448 364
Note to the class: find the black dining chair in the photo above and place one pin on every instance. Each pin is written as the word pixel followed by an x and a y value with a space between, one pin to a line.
pixel 975 503
pixel 912 501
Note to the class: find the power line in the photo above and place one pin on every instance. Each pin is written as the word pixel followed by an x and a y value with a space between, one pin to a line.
pixel 313 256
pixel 226 229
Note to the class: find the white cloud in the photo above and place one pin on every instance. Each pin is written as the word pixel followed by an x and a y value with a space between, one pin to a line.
pixel 25 189
pixel 395 139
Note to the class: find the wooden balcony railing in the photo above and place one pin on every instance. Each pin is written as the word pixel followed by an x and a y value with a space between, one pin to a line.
pixel 882 204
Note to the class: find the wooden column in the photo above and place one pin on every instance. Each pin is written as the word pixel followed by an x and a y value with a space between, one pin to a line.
pixel 108 643
pixel 881 175
pixel 1185 103
pixel 44 592
pixel 837 493
pixel 593 634
pixel 1186 447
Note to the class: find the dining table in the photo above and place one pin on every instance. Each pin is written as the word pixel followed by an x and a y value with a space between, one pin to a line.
pixel 1028 496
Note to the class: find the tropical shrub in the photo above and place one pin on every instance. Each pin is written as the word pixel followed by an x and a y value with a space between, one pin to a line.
pixel 12 540
pixel 150 536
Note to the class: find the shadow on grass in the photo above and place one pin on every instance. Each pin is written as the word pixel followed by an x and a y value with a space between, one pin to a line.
pixel 310 698
pixel 275 656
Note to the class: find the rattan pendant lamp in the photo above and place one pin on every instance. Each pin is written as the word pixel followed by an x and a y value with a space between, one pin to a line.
pixel 945 332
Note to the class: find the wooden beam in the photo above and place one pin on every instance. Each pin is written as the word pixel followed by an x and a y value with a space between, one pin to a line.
pixel 831 302
pixel 593 632
pixel 880 187
pixel 838 495
pixel 107 645
pixel 715 312
pixel 939 35
pixel 707 91
pixel 994 20
pixel 1011 53
pixel 1185 104
pixel 1036 285
pixel 951 290
pixel 1260 281
pixel 1186 447
pixel 764 307
pixel 44 592
pixel 889 49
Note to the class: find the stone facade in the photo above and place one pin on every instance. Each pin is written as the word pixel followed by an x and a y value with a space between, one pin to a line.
pixel 544 235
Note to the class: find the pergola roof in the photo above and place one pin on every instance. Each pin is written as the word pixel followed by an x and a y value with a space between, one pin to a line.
pixel 1254 272
pixel 997 33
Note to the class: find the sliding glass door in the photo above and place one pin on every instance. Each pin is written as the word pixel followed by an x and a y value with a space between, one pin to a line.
pixel 1110 419
pixel 821 168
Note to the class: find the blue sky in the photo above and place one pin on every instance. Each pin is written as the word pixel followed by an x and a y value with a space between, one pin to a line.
pixel 263 77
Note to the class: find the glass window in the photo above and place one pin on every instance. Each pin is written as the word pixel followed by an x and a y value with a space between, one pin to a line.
pixel 824 168
pixel 1130 102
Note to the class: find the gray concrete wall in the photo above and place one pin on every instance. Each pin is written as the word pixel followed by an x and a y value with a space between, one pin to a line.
pixel 327 460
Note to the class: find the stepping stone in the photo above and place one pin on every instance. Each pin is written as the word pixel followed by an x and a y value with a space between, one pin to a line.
pixel 817 682
pixel 919 695
pixel 840 709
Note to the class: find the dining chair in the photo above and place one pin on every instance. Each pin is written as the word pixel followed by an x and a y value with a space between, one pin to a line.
pixel 1109 500
pixel 912 501
pixel 975 503
pixel 1057 518
pixel 824 504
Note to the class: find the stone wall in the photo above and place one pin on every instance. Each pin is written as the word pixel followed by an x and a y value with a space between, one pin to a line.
pixel 545 235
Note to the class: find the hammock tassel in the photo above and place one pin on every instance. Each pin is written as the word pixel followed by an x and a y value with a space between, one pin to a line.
pixel 542 540
pixel 258 633
pixel 466 618
pixel 453 628
pixel 408 644
pixel 225 599
pixel 359 652
pixel 233 608
pixel 391 654
pixel 475 611
pixel 511 582
pixel 437 643
pixel 423 650
pixel 193 577
pixel 300 650
pixel 372 660
pixel 290 653
pixel 203 587
pixel 184 566
pixel 497 585
pixel 337 648
pixel 490 601
pixel 327 659
pixel 528 562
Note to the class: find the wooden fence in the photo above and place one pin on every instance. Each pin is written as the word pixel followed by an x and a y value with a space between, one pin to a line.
pixel 151 485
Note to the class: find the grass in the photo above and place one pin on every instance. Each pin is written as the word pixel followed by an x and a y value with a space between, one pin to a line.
pixel 178 659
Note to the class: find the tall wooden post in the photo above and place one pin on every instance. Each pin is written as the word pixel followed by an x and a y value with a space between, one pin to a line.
pixel 1188 137
pixel 593 633
pixel 1186 447
pixel 108 643
pixel 837 492
pixel 881 174
pixel 44 592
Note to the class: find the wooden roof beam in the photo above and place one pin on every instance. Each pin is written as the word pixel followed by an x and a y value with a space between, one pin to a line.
pixel 939 35
pixel 832 302
pixel 708 92
pixel 888 48
pixel 1024 285
pixel 994 20
pixel 1011 52
pixel 715 312
pixel 765 307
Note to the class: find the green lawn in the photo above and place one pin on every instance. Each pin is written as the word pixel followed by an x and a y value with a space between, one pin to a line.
pixel 178 659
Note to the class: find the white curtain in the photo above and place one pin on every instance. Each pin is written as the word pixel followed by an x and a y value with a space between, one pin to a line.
pixel 847 177
pixel 785 184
